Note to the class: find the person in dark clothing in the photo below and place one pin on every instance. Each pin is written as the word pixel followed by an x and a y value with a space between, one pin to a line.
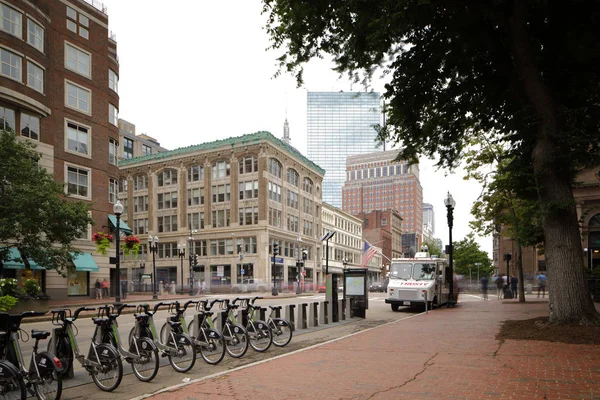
pixel 514 281
pixel 484 287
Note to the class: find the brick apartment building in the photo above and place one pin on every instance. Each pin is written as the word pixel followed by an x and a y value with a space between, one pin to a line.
pixel 59 89
pixel 383 228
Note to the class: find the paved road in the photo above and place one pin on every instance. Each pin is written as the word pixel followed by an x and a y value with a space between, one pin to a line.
pixel 81 387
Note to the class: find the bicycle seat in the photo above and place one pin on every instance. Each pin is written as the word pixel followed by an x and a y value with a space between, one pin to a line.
pixel 36 334
pixel 100 320
pixel 173 323
pixel 275 307
pixel 141 317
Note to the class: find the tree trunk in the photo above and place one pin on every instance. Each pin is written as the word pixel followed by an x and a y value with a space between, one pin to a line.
pixel 520 272
pixel 569 295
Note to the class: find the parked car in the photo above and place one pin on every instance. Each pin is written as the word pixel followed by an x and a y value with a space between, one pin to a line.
pixel 322 289
pixel 377 287
pixel 249 285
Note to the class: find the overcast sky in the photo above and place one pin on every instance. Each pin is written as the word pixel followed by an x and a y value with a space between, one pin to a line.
pixel 196 71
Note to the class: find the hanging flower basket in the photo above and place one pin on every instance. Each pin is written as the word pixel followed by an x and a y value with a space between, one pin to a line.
pixel 131 245
pixel 102 241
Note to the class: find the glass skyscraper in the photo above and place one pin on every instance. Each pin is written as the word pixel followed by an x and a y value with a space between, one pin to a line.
pixel 340 124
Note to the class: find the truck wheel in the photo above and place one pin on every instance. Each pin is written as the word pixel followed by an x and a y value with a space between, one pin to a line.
pixel 394 307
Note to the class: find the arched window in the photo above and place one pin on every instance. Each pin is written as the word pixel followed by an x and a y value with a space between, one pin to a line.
pixel 248 164
pixel 307 185
pixel 195 173
pixel 292 177
pixel 140 182
pixel 275 167
pixel 595 220
pixel 221 169
pixel 167 177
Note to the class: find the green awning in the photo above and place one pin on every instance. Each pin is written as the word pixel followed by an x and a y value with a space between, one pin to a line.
pixel 123 227
pixel 11 263
pixel 85 262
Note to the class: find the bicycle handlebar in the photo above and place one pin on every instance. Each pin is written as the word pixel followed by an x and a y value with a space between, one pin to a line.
pixel 59 315
pixel 12 322
pixel 159 305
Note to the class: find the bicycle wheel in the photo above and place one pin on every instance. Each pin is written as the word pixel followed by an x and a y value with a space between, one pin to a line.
pixel 108 375
pixel 165 332
pixel 145 365
pixel 260 335
pixel 282 332
pixel 181 352
pixel 64 353
pixel 49 385
pixel 236 340
pixel 12 386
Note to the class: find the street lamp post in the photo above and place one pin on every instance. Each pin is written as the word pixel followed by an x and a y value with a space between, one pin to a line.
pixel 326 238
pixel 181 252
pixel 590 253
pixel 118 210
pixel 274 291
pixel 241 255
pixel 191 258
pixel 450 203
pixel 153 246
pixel 298 264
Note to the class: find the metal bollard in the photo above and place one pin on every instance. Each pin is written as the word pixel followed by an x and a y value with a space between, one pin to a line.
pixel 313 314
pixel 262 313
pixel 302 316
pixel 328 311
pixel 322 311
pixel 289 315
pixel 343 309
pixel 349 308
pixel 278 313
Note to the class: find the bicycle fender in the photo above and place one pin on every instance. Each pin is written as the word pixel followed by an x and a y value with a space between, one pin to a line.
pixel 183 339
pixel 281 322
pixel 106 352
pixel 145 343
pixel 45 361
pixel 260 324
pixel 213 334
pixel 7 370
pixel 237 328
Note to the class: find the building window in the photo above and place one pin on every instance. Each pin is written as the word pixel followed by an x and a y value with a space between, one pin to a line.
pixel 35 77
pixel 195 197
pixel 167 223
pixel 292 223
pixel 78 60
pixel 7 119
pixel 140 226
pixel 112 151
pixel 275 167
pixel 307 206
pixel 30 126
pixel 249 216
pixel 113 80
pixel 112 190
pixel 274 192
pixel 307 185
pixel 308 228
pixel 383 221
pixel 11 64
pixel 140 204
pixel 35 34
pixel 78 181
pixel 248 190
pixel 195 220
pixel 292 177
pixel 248 164
pixel 78 97
pixel 221 169
pixel 146 150
pixel 195 173
pixel 82 27
pixel 167 177
pixel 123 186
pixel 127 148
pixel 167 200
pixel 11 20
pixel 113 115
pixel 275 217
pixel 221 193
pixel 78 138
pixel 220 218
pixel 140 182
pixel 292 199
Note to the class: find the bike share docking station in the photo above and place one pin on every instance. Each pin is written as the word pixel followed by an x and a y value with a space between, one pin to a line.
pixel 355 291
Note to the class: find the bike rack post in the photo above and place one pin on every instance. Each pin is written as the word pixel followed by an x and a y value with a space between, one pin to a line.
pixel 289 315
pixel 343 309
pixel 302 316
pixel 221 320
pixel 349 308
pixel 262 313
pixel 322 312
pixel 278 313
pixel 328 311
pixel 313 314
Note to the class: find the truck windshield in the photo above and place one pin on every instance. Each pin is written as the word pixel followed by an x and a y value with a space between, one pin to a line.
pixel 424 271
pixel 400 270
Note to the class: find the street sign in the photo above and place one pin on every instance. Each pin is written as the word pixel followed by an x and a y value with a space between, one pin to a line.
pixel 220 270
pixel 242 272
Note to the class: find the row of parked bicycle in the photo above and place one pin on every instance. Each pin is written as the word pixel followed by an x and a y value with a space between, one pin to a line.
pixel 178 341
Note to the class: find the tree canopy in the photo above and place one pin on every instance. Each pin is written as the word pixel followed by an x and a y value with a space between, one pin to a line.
pixel 35 215
pixel 468 255
pixel 459 68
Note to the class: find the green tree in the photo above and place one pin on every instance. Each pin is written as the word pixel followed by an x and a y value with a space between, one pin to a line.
pixel 468 258
pixel 35 215
pixel 458 68
pixel 508 198
pixel 433 248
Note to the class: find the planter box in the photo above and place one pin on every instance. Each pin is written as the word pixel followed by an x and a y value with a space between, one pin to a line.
pixel 31 305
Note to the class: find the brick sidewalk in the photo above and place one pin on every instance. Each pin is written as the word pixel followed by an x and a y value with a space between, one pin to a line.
pixel 446 354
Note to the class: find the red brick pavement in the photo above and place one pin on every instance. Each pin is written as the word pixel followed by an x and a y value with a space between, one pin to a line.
pixel 446 354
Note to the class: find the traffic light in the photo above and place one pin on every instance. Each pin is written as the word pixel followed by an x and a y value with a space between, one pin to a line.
pixel 304 254
pixel 275 248
pixel 195 260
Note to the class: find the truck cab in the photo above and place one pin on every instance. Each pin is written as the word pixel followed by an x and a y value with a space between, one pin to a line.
pixel 418 280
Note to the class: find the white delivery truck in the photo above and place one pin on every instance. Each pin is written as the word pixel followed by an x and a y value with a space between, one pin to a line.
pixel 414 281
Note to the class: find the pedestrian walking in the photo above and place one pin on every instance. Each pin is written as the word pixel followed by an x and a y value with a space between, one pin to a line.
pixel 98 287
pixel 484 287
pixel 499 286
pixel 514 281
pixel 203 287
pixel 542 279
pixel 105 287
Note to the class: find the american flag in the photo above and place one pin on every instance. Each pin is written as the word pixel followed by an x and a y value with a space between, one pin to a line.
pixel 368 253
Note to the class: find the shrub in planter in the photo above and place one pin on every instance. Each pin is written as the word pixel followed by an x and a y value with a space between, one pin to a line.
pixel 7 302
pixel 9 287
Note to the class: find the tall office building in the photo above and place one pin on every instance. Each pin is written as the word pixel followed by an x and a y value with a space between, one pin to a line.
pixel 429 217
pixel 340 124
